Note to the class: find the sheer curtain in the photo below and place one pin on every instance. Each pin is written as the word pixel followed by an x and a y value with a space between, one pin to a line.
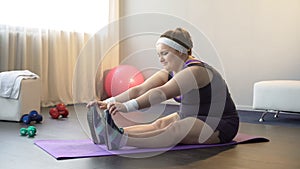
pixel 54 54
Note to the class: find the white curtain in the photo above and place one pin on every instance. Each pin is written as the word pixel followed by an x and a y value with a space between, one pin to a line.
pixel 55 56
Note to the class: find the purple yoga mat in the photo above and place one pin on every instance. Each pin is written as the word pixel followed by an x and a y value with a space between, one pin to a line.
pixel 66 149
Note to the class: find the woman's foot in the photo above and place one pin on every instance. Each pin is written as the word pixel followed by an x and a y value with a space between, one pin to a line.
pixel 96 124
pixel 115 138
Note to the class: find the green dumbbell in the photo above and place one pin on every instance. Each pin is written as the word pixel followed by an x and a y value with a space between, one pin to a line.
pixel 30 131
pixel 23 131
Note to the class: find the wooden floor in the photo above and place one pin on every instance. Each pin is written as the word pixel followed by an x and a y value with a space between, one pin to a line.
pixel 17 152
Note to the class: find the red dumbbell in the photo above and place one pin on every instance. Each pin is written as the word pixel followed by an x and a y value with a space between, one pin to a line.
pixel 59 110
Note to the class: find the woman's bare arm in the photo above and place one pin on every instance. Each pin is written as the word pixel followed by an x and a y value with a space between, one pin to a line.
pixel 157 79
pixel 184 81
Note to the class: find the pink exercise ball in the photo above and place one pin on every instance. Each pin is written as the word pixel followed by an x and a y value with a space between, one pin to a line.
pixel 121 78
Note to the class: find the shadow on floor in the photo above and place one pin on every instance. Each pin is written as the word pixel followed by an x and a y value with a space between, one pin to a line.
pixel 171 159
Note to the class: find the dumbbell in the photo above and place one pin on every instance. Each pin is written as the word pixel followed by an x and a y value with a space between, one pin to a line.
pixel 59 110
pixel 30 131
pixel 32 116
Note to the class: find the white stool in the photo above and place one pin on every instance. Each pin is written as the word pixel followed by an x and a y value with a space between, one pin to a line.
pixel 29 99
pixel 276 95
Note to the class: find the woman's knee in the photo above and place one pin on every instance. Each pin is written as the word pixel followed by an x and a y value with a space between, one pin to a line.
pixel 179 129
pixel 160 124
pixel 165 121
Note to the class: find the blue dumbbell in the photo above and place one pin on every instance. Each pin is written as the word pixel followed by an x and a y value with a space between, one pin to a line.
pixel 32 116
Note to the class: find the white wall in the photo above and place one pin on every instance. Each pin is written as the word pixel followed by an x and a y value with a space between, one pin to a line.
pixel 255 39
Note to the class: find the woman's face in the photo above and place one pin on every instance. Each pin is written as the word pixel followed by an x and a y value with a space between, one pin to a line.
pixel 169 58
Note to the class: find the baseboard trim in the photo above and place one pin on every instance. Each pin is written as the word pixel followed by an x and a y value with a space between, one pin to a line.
pixel 245 107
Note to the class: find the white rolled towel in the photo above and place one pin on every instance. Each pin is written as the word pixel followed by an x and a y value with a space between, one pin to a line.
pixel 10 82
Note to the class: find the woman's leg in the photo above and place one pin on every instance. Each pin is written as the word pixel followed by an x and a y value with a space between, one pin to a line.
pixel 124 120
pixel 200 133
pixel 188 131
pixel 156 125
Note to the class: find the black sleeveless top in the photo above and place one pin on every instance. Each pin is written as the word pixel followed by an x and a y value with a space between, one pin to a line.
pixel 212 100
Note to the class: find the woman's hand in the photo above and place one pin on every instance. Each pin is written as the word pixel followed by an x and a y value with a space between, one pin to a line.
pixel 101 104
pixel 116 107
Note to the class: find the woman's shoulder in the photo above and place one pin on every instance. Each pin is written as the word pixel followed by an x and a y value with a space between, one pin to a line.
pixel 195 62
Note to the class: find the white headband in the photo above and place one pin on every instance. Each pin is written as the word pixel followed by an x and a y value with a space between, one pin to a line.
pixel 172 44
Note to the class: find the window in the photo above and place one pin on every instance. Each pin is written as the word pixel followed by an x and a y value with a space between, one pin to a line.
pixel 78 15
